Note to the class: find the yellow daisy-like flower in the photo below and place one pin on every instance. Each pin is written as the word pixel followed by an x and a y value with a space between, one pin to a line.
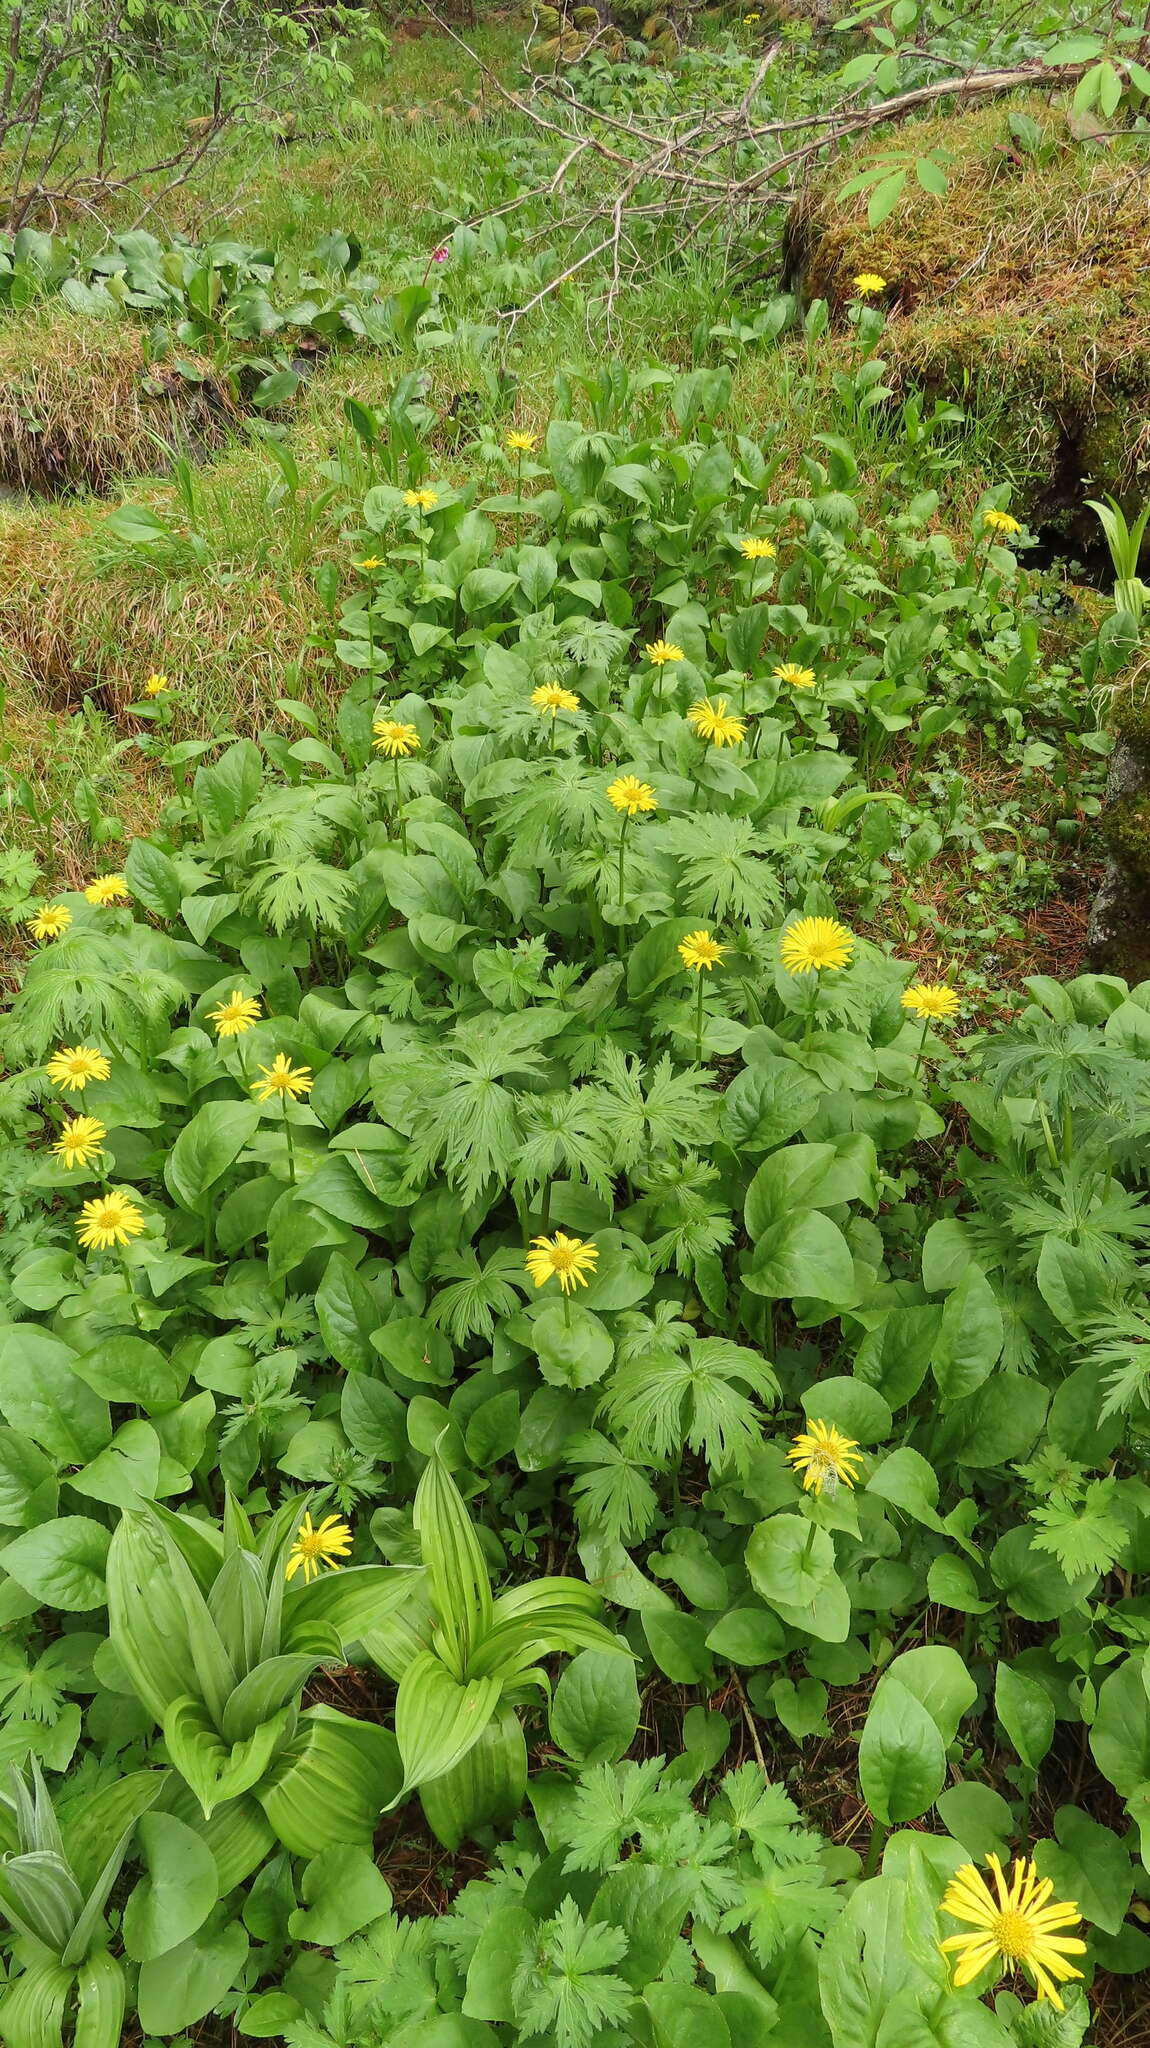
pixel 628 794
pixel 74 1066
pixel 758 550
pixel 1013 1926
pixel 867 282
pixel 50 922
pixel 393 739
pixel 156 685
pixel 659 651
pixel 798 678
pixel 281 1079
pixel 315 1547
pixel 107 889
pixel 824 1456
pixel 549 697
pixel 748 19
pixel 108 1220
pixel 815 943
pixel 235 1016
pixel 930 999
pixel 423 500
pixel 713 722
pixel 1001 522
pixel 566 1259
pixel 371 562
pixel 699 950
pixel 79 1141
pixel 521 444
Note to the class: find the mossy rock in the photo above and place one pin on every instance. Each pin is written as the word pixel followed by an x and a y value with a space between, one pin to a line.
pixel 1027 284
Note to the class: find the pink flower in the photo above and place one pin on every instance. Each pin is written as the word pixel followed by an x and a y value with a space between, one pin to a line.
pixel 440 255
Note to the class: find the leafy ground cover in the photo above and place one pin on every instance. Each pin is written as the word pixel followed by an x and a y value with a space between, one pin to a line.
pixel 572 1328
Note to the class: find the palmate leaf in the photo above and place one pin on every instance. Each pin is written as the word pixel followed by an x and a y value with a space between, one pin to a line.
pixel 785 1902
pixel 653 1405
pixel 565 1988
pixel 723 869
pixel 467 1119
pixel 478 1294
pixel 614 1802
pixel 287 891
pixel 1085 1538
pixel 564 1136
pixel 614 1497
pixel 88 987
pixel 648 1113
pixel 557 805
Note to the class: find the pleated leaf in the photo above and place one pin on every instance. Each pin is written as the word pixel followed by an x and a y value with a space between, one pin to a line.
pixel 269 1687
pixel 438 1718
pixel 457 1572
pixel 32 2008
pixel 146 1619
pixel 40 1896
pixel 215 1770
pixel 351 1602
pixel 102 1991
pixel 485 1788
pixel 331 1783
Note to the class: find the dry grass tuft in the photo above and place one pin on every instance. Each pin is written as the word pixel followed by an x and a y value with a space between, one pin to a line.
pixel 80 406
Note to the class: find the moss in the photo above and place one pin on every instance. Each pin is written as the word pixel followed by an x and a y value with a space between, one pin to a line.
pixel 1028 284
pixel 1126 832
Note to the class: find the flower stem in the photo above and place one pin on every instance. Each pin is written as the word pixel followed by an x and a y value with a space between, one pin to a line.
pixel 132 1302
pixel 814 1003
pixel 290 1143
pixel 921 1044
pixel 566 1308
pixel 622 852
pixel 699 1021
pixel 399 804
pixel 808 1545
pixel 878 1837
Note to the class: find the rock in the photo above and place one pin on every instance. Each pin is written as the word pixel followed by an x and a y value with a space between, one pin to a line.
pixel 1118 931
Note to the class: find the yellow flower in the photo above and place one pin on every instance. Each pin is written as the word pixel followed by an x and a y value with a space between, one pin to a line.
pixel 107 889
pixel 712 722
pixel 75 1065
pixel 798 678
pixel 393 739
pixel 156 685
pixel 814 943
pixel 50 922
pixel 824 1457
pixel 315 1547
pixel 867 282
pixel 659 651
pixel 281 1079
pixel 235 1016
pixel 521 444
pixel 79 1141
pixel 628 794
pixel 108 1220
pixel 549 697
pixel 699 950
pixel 1015 1928
pixel 749 18
pixel 930 999
pixel 1001 522
pixel 758 550
pixel 423 499
pixel 566 1259
pixel 371 562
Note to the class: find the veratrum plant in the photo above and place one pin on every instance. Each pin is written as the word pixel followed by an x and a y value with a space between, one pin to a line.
pixel 463 1659
pixel 53 1891
pixel 218 1647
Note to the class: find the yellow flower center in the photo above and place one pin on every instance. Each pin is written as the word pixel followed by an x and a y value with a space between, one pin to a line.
pixel 1013 1935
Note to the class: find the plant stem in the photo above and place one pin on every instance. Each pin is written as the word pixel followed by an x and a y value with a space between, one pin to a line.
pixel 699 1020
pixel 290 1143
pixel 921 1044
pixel 808 1545
pixel 878 1837
pixel 622 852
pixel 399 804
pixel 132 1302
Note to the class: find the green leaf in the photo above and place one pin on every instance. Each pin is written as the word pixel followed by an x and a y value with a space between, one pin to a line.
pixel 458 1578
pixel 748 1635
pixel 124 1368
pixel 62 1563
pixel 1026 1711
pixel 572 1345
pixel 678 1643
pixel 978 1817
pixel 1091 1865
pixel 805 1255
pixel 153 878
pixel 902 1756
pixel 206 1147
pixel 342 1890
pixel 885 198
pixel 438 1717
pixel 373 1418
pixel 791 1563
pixel 178 1892
pixel 485 1788
pixel 969 1342
pixel 683 2016
pixel 331 1783
pixel 178 1988
pixel 595 1710
pixel 42 1395
pixel 852 1406
pixel 347 1315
